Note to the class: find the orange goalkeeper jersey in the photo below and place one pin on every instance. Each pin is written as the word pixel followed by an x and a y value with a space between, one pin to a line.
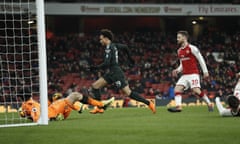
pixel 31 109
pixel 61 106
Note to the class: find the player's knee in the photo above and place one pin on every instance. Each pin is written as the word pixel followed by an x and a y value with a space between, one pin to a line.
pixel 127 90
pixel 93 86
pixel 128 93
pixel 75 96
pixel 178 89
pixel 197 91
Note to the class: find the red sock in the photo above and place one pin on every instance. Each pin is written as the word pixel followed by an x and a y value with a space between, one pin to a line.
pixel 201 94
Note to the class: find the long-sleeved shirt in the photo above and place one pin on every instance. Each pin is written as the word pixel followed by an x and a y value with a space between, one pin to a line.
pixel 111 56
pixel 189 57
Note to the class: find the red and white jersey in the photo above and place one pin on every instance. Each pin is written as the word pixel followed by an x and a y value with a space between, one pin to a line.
pixel 189 57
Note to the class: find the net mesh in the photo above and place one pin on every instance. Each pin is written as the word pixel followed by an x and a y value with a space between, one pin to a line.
pixel 19 68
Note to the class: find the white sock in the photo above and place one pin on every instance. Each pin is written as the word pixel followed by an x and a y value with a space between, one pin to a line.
pixel 206 99
pixel 178 100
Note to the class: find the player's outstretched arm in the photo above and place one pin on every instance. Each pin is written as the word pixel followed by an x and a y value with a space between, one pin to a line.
pixel 222 110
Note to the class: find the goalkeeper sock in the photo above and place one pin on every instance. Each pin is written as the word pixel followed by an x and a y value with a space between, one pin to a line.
pixel 94 102
pixel 137 97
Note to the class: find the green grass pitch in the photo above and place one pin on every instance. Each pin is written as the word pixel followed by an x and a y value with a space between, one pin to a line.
pixel 195 125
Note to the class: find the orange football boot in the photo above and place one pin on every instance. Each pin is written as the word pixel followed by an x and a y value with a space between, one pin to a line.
pixel 97 110
pixel 152 107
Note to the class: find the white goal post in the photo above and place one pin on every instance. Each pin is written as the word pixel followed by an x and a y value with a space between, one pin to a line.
pixel 23 62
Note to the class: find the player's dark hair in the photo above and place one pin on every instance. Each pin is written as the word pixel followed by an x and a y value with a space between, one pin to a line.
pixel 233 101
pixel 107 33
pixel 184 33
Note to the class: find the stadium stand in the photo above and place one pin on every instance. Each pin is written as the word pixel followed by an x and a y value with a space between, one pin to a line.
pixel 67 63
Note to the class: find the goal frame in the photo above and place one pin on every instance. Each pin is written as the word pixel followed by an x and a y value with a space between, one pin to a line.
pixel 43 120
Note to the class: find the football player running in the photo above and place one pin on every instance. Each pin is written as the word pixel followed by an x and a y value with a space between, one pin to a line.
pixel 189 56
pixel 115 75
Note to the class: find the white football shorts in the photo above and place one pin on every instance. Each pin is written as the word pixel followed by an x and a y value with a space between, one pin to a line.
pixel 189 81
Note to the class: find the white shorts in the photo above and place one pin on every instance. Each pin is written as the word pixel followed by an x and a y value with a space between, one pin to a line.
pixel 189 81
pixel 237 90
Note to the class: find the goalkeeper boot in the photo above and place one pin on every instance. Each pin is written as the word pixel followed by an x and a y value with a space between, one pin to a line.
pixel 106 104
pixel 97 110
pixel 152 107
pixel 175 109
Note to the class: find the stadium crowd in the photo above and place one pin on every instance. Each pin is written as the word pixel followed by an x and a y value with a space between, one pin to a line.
pixel 155 56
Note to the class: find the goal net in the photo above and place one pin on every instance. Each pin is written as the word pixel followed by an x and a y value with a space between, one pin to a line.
pixel 22 60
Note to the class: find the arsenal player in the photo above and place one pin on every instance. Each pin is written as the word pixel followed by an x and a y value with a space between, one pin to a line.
pixel 190 57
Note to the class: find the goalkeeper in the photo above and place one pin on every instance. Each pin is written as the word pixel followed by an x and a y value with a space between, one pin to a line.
pixel 61 107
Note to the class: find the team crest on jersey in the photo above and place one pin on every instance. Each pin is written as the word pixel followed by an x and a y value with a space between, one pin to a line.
pixel 187 51
pixel 107 50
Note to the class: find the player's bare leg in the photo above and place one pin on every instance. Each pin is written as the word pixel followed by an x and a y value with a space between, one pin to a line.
pixel 178 90
pixel 204 97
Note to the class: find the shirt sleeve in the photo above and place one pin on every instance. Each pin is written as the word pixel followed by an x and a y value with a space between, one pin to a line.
pixel 199 57
pixel 126 51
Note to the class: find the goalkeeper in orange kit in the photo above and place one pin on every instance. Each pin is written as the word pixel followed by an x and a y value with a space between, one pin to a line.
pixel 30 109
pixel 61 108
pixel 58 108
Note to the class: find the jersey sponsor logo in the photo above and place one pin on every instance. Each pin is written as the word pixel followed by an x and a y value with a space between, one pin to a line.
pixel 107 52
pixel 34 109
pixel 185 58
